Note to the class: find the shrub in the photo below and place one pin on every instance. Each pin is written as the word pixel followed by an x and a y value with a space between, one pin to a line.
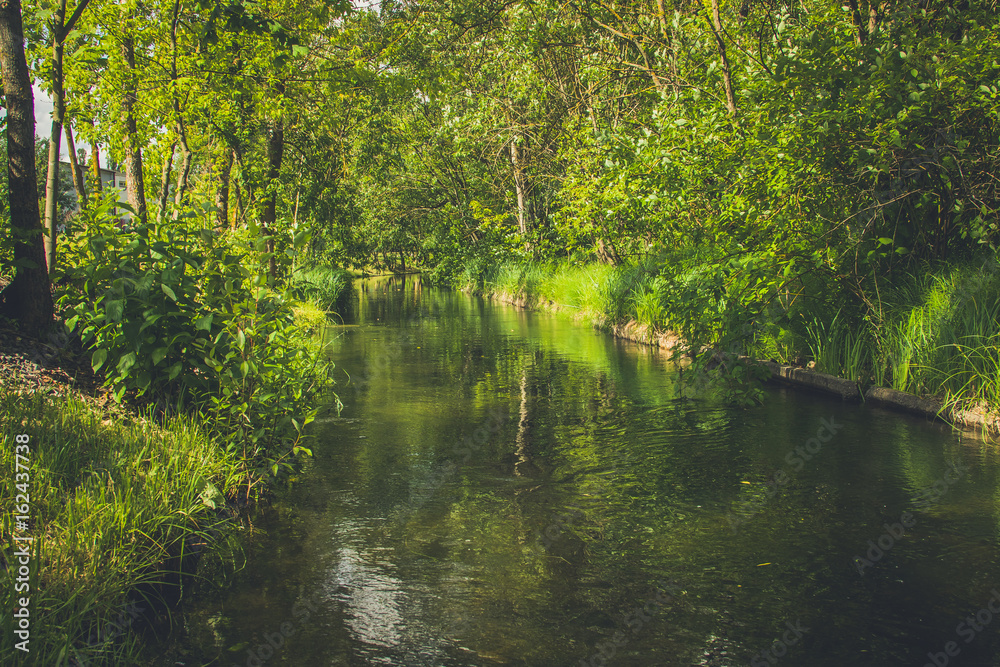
pixel 174 314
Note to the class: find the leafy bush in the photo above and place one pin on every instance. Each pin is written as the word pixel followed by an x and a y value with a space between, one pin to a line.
pixel 173 313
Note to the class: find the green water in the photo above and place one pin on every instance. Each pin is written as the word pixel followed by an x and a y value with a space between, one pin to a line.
pixel 509 488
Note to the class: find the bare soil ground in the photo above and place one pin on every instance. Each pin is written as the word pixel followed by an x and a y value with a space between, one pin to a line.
pixel 56 366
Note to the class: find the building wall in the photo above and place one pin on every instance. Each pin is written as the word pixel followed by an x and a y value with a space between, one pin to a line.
pixel 114 180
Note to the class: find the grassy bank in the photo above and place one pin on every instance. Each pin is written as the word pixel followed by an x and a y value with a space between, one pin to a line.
pixel 932 330
pixel 114 507
pixel 323 286
pixel 206 344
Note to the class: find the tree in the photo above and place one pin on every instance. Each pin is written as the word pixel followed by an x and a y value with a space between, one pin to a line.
pixel 716 25
pixel 134 180
pixel 59 30
pixel 27 298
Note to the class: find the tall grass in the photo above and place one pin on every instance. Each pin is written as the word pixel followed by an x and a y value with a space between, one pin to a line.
pixel 322 285
pixel 935 331
pixel 598 291
pixel 114 508
pixel 585 288
pixel 579 286
pixel 839 348
pixel 938 328
pixel 976 382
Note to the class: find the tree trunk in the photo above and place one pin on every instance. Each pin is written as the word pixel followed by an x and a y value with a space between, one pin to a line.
pixel 95 161
pixel 607 253
pixel 27 298
pixel 74 166
pixel 661 15
pixel 168 166
pixel 60 28
pixel 727 79
pixel 875 17
pixel 860 29
pixel 58 111
pixel 180 196
pixel 182 178
pixel 222 194
pixel 268 215
pixel 515 163
pixel 238 196
pixel 134 183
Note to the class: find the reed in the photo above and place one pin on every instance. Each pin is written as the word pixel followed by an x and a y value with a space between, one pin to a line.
pixel 321 285
pixel 933 331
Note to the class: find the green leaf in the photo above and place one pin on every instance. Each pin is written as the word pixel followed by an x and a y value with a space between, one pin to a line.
pixel 159 354
pixel 127 362
pixel 169 292
pixel 210 495
pixel 114 310
pixel 100 356
pixel 204 323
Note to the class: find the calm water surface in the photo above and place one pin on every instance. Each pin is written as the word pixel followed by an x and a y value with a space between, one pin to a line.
pixel 509 488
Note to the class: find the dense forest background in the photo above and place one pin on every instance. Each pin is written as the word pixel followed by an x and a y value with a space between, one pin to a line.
pixel 811 180
pixel 844 139
pixel 805 181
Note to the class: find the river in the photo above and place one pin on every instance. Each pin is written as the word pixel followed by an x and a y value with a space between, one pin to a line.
pixel 506 487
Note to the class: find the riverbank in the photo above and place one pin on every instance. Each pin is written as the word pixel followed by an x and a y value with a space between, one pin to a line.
pixel 122 497
pixel 939 350
pixel 116 505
